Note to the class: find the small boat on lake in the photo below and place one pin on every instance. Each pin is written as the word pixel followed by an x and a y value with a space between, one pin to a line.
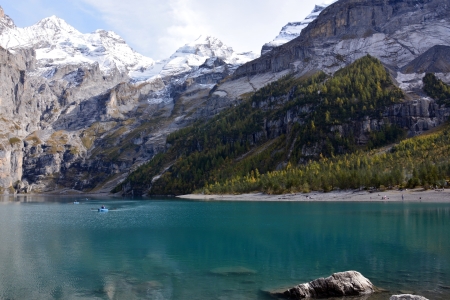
pixel 103 209
pixel 76 202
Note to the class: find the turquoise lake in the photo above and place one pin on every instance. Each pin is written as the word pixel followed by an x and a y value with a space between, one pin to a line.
pixel 172 249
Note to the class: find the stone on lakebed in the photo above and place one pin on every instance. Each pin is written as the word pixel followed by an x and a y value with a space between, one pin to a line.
pixel 407 297
pixel 238 270
pixel 349 283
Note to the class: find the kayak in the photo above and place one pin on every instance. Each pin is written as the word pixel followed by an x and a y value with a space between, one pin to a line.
pixel 102 210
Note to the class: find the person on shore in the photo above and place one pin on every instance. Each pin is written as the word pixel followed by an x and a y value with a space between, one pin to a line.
pixel 403 197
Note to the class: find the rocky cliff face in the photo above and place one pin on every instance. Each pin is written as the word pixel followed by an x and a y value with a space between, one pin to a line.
pixel 12 76
pixel 396 32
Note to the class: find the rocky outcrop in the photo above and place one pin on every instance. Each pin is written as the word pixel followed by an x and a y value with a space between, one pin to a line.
pixel 350 283
pixel 407 297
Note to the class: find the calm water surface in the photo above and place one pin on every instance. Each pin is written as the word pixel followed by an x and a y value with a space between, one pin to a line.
pixel 171 249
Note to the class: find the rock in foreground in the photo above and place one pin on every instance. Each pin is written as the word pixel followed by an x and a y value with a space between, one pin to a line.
pixel 407 297
pixel 350 283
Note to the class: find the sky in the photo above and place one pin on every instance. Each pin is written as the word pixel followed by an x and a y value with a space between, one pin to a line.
pixel 157 28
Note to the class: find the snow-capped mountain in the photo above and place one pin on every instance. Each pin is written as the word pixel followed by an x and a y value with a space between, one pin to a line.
pixel 193 55
pixel 292 30
pixel 57 43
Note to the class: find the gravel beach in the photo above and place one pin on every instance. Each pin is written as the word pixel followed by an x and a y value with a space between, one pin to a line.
pixel 407 195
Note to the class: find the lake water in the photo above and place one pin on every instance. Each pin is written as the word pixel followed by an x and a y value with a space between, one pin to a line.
pixel 171 249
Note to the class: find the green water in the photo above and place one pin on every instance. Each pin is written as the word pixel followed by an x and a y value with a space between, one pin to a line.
pixel 170 249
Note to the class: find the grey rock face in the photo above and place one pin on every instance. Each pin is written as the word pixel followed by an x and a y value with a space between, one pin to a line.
pixel 350 283
pixel 407 297
pixel 12 76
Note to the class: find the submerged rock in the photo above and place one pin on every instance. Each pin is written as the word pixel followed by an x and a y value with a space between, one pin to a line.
pixel 407 297
pixel 350 283
pixel 225 271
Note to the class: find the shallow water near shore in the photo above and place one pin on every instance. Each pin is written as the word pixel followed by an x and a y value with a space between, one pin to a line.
pixel 172 249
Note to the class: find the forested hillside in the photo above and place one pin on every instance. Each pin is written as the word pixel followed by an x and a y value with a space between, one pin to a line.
pixel 293 120
pixel 436 89
pixel 420 161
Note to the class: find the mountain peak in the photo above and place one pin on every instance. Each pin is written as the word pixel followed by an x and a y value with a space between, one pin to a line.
pixel 319 7
pixel 5 21
pixel 56 24
pixel 204 46
pixel 205 49
pixel 206 40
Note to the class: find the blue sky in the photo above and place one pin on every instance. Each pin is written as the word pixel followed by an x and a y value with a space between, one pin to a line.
pixel 156 28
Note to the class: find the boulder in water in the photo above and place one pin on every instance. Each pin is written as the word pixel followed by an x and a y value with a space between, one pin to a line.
pixel 225 271
pixel 350 283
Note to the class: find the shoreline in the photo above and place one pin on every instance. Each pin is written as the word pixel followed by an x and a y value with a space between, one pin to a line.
pixel 407 195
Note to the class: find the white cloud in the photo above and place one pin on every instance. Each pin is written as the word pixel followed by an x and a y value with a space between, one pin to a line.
pixel 157 28
pixel 186 26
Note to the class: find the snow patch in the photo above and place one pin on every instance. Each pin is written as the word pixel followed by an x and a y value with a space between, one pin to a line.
pixel 220 93
pixel 159 100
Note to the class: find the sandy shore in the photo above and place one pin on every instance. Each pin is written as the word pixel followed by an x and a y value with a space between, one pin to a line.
pixel 415 195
